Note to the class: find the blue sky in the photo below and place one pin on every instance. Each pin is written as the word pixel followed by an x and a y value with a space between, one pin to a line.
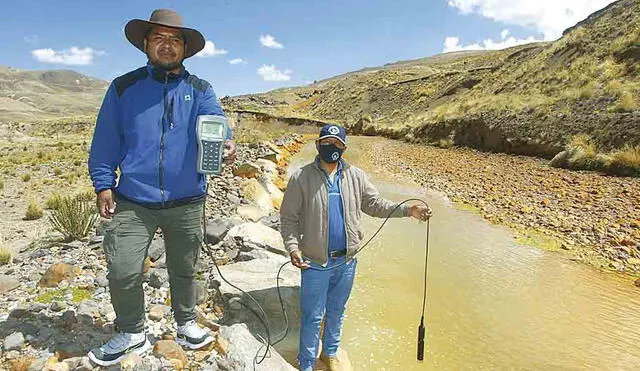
pixel 280 42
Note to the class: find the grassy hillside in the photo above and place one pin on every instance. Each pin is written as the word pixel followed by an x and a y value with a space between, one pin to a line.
pixel 32 95
pixel 530 99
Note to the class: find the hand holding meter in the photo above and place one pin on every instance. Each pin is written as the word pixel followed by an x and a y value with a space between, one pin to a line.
pixel 211 133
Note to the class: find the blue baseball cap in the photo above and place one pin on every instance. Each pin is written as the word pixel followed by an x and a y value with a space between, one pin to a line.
pixel 333 131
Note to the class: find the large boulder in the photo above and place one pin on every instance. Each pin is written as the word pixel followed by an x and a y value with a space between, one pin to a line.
pixel 243 348
pixel 258 278
pixel 247 170
pixel 255 192
pixel 257 235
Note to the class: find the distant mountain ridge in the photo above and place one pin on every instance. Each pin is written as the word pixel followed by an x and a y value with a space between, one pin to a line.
pixel 529 99
pixel 29 95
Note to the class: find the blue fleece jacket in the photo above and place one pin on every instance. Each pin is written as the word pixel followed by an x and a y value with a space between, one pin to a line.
pixel 147 128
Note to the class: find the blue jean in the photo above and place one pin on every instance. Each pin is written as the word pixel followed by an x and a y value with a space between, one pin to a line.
pixel 323 293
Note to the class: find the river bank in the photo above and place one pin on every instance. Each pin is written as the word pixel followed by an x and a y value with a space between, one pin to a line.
pixel 593 218
pixel 55 302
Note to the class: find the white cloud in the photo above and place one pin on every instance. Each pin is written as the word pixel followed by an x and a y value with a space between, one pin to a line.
pixel 210 50
pixel 271 73
pixel 270 42
pixel 237 61
pixel 549 17
pixel 73 56
pixel 452 43
pixel 32 39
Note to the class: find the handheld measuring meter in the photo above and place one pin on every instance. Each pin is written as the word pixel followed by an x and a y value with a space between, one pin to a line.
pixel 211 132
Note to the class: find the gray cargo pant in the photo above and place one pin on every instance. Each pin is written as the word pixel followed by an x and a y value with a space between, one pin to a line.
pixel 126 241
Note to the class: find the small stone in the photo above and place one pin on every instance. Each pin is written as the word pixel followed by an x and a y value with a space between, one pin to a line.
pixel 13 354
pixel 156 249
pixel 131 362
pixel 147 265
pixel 170 350
pixel 637 282
pixel 37 307
pixel 202 295
pixel 157 278
pixel 222 346
pixel 56 273
pixel 158 312
pixel 38 364
pixel 88 308
pixel 13 341
pixel 7 283
pixel 102 281
pixel 633 261
pixel 84 365
pixel 73 363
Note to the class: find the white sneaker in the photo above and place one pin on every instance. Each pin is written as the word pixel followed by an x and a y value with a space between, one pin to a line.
pixel 118 347
pixel 192 336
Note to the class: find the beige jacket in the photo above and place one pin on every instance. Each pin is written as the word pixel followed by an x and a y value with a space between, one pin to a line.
pixel 304 211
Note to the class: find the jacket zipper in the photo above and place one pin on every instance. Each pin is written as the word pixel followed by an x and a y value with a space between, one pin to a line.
pixel 164 116
pixel 344 215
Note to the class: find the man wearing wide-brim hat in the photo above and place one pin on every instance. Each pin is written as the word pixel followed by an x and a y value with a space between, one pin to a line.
pixel 146 128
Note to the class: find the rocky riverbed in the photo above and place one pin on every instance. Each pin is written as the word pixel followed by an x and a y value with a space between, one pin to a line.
pixel 594 218
pixel 55 306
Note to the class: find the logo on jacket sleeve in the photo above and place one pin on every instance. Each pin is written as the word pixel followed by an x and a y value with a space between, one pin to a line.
pixel 187 97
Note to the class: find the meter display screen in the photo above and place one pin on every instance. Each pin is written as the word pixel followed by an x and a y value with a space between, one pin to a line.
pixel 214 128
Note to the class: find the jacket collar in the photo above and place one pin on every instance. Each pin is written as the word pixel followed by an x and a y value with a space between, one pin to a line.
pixel 342 164
pixel 160 75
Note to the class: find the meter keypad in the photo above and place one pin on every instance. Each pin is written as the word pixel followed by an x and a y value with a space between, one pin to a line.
pixel 211 155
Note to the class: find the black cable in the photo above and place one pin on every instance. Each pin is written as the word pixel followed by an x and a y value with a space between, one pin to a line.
pixel 264 320
pixel 424 293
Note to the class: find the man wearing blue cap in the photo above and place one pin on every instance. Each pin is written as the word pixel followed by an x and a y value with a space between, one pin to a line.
pixel 320 217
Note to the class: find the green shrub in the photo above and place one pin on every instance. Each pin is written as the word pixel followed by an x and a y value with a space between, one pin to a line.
pixel 626 103
pixel 625 162
pixel 53 202
pixel 26 177
pixel 33 211
pixel 445 143
pixel 57 171
pixel 1 184
pixel 74 217
pixel 6 254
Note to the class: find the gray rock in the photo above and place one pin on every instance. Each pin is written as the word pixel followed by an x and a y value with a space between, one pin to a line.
pixel 157 277
pixel 34 277
pixel 44 334
pixel 257 234
pixel 233 199
pixel 88 308
pixel 232 253
pixel 243 348
pixel 13 354
pixel 216 230
pixel 202 295
pixel 156 249
pixel 39 363
pixel 102 281
pixel 72 245
pixel 258 278
pixel 271 221
pixel 84 365
pixel 37 307
pixel 73 362
pixel 7 283
pixel 13 341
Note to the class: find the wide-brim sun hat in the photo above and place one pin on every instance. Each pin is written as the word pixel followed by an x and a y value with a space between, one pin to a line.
pixel 136 30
